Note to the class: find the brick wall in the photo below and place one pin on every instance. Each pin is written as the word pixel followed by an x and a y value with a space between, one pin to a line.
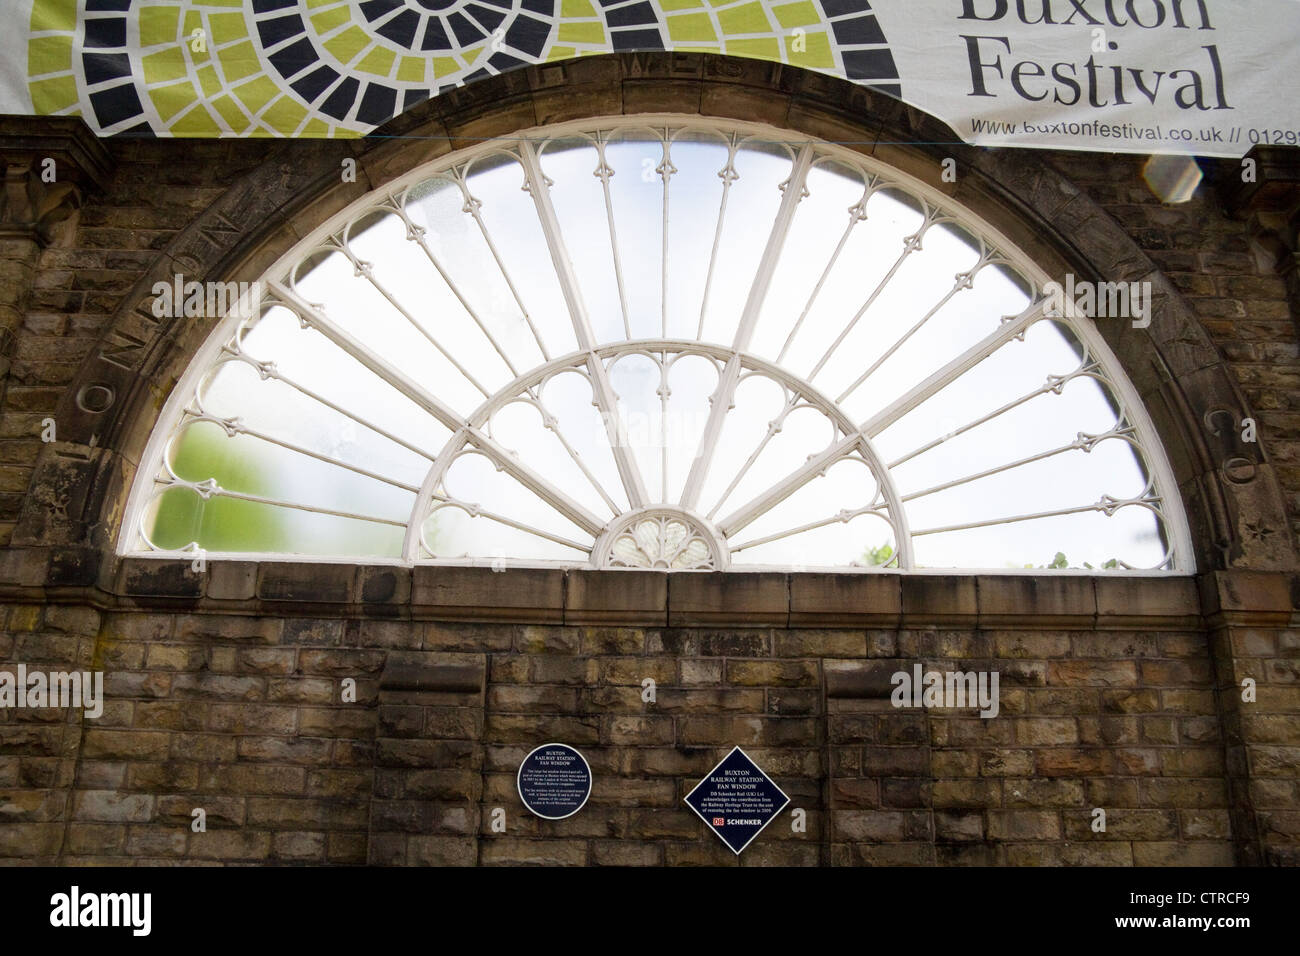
pixel 234 706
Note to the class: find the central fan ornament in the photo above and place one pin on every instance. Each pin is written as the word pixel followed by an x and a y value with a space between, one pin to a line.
pixel 663 539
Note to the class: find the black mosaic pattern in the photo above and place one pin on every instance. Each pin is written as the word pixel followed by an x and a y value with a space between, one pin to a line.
pixel 633 25
pixel 430 27
pixel 522 30
pixel 862 45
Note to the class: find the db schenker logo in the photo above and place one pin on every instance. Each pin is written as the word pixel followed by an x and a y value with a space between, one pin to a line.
pixel 719 822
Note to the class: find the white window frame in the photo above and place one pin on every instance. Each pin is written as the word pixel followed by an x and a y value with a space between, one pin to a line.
pixel 1162 487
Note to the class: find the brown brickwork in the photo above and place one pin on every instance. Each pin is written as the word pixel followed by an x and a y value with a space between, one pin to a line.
pixel 228 706
pixel 225 689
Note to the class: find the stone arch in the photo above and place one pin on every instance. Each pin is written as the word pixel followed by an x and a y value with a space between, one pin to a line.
pixel 1230 492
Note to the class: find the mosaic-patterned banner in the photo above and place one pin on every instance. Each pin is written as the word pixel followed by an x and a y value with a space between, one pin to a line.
pixel 1186 76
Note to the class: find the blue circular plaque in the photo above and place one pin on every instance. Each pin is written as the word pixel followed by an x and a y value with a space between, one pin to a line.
pixel 554 781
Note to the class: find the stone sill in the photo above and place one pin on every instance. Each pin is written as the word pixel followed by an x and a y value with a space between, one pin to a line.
pixel 650 598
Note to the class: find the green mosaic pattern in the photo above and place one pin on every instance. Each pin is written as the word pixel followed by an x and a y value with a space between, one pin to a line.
pixel 321 68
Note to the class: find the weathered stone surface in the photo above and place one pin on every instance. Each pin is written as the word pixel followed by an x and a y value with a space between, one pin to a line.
pixel 939 599
pixel 866 679
pixel 306 583
pixel 735 598
pixel 626 598
pixel 1060 601
pixel 482 594
pixel 429 671
pixel 1120 600
pixel 873 600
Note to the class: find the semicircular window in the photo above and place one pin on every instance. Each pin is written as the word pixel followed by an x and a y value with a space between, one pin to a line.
pixel 659 344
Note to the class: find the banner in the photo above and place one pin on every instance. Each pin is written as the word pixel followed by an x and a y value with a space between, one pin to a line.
pixel 1202 77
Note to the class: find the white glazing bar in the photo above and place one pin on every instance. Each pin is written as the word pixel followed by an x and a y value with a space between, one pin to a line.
pixel 665 393
pixel 728 175
pixel 841 517
pixel 1107 505
pixel 775 494
pixel 312 317
pixel 1082 443
pixel 476 512
pixel 536 483
pixel 952 371
pixel 365 269
pixel 434 479
pixel 422 397
pixel 817 465
pixel 215 491
pixel 416 234
pixel 911 244
pixel 551 423
pixel 773 428
pixel 857 214
pixel 268 370
pixel 1054 384
pixel 234 427
pixel 603 172
pixel 722 399
pixel 959 286
pixel 665 171
pixel 472 207
pixel 606 398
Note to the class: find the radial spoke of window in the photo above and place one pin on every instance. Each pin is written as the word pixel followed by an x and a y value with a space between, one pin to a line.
pixel 659 343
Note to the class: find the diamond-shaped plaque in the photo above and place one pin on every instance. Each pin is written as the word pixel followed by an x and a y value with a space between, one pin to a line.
pixel 736 799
